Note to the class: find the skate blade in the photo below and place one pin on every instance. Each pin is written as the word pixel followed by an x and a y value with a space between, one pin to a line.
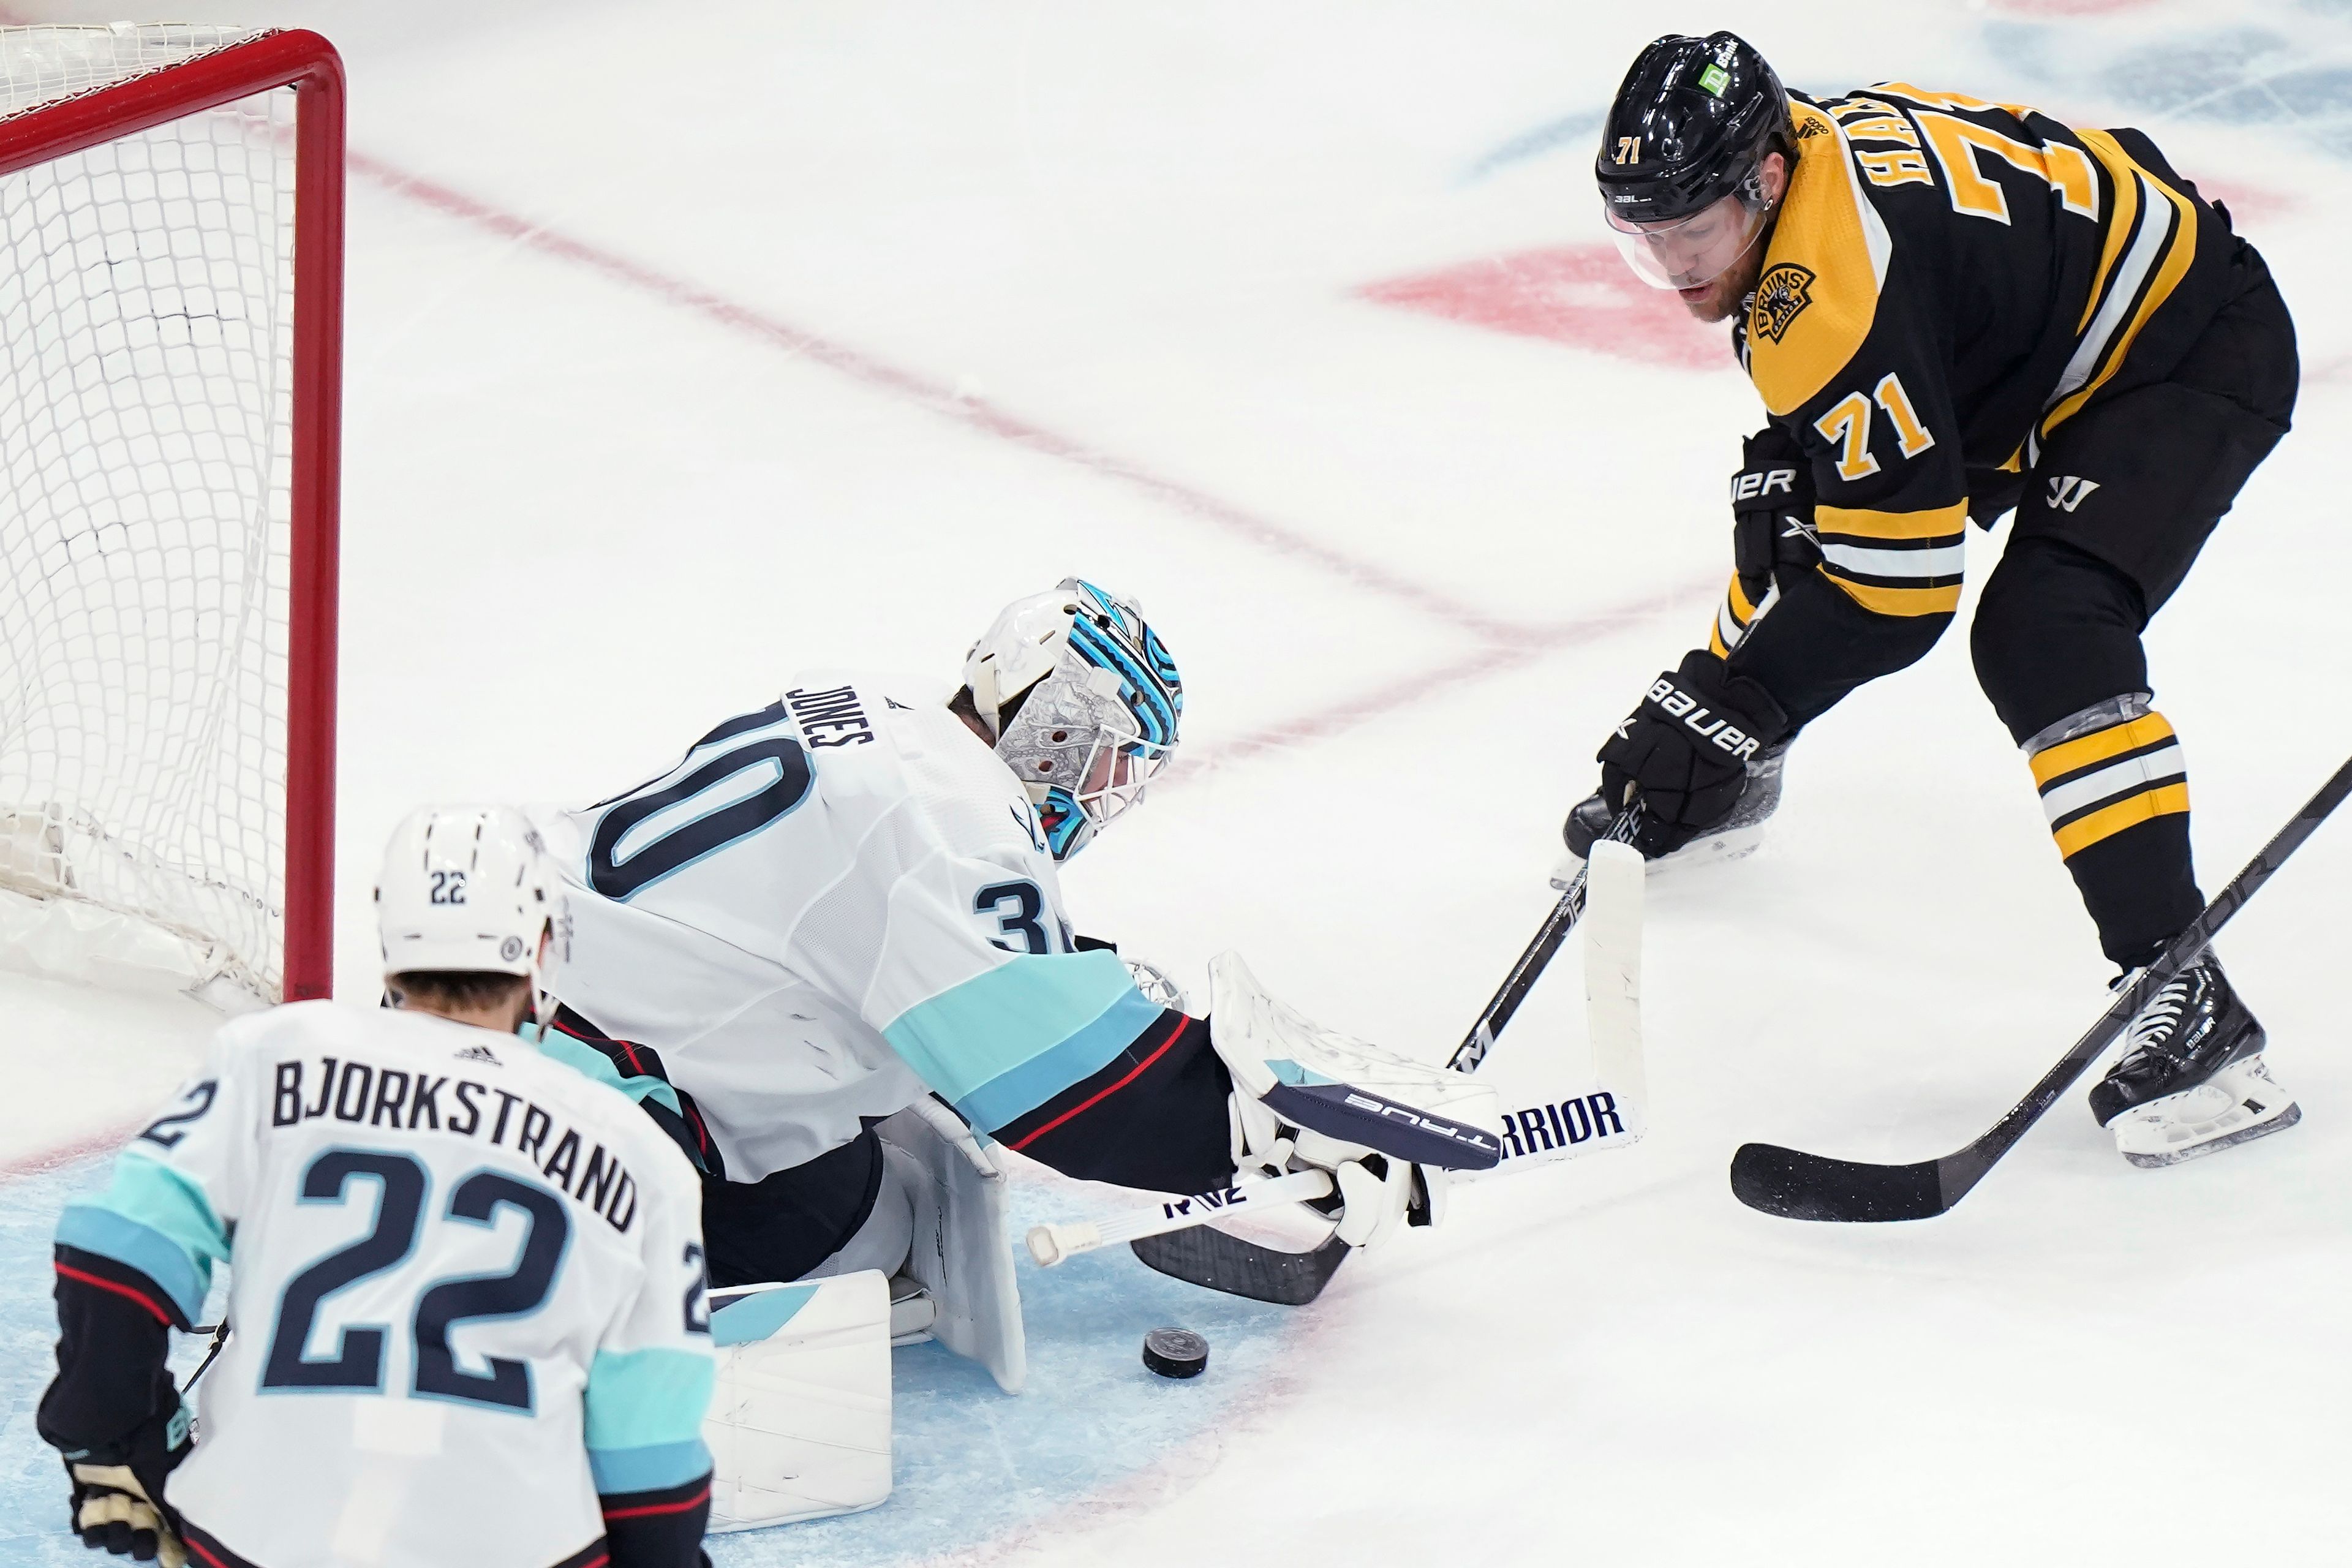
pixel 2239 1104
pixel 1718 849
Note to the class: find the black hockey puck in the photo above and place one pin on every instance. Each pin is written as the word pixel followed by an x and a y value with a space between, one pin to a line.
pixel 1175 1352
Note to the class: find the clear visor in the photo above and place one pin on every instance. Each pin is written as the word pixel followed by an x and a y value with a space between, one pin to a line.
pixel 1690 251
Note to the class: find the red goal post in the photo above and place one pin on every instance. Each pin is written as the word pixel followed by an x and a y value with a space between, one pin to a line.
pixel 193 73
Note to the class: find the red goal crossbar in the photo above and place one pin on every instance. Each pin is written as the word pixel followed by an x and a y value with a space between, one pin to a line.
pixel 307 63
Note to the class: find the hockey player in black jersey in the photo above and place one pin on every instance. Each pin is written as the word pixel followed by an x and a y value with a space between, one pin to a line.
pixel 1957 311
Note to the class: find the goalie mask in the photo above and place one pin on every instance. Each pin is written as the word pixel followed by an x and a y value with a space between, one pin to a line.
pixel 470 888
pixel 1083 702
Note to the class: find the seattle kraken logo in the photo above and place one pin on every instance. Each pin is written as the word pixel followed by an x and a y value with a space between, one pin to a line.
pixel 1781 296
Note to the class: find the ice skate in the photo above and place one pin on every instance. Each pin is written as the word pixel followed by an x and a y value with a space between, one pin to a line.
pixel 2192 1080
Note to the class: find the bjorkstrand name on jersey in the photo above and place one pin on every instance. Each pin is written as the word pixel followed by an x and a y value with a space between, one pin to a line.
pixel 390 1098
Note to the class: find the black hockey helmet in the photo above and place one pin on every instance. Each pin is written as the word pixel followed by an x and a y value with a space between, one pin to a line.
pixel 1689 126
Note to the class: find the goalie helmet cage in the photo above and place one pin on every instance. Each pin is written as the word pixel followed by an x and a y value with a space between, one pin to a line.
pixel 170 416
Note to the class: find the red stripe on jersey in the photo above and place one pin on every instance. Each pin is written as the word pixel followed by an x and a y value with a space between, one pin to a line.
pixel 1090 1104
pixel 697 1500
pixel 70 1272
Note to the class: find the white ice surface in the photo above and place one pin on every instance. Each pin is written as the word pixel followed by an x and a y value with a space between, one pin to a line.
pixel 810 333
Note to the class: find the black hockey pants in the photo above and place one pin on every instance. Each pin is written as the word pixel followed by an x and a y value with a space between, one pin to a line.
pixel 2108 524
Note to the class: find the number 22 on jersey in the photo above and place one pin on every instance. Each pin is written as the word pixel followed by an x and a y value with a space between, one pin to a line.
pixel 358 1361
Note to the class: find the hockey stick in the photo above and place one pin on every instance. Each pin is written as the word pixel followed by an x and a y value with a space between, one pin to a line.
pixel 1219 1260
pixel 1797 1185
pixel 1051 1244
pixel 1537 957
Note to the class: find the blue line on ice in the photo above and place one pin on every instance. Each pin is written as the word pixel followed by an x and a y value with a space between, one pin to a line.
pixel 973 1466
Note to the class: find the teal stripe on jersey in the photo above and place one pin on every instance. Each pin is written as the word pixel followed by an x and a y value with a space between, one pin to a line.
pixel 1004 1042
pixel 590 1062
pixel 155 1219
pixel 648 1399
pixel 649 1469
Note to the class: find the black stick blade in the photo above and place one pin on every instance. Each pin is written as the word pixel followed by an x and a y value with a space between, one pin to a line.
pixel 1217 1261
pixel 1797 1185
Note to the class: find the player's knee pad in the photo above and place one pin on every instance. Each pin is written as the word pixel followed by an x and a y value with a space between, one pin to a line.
pixel 2056 631
pixel 800 1413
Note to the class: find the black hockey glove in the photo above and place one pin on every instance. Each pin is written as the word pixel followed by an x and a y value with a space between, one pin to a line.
pixel 1771 510
pixel 1684 751
pixel 118 1493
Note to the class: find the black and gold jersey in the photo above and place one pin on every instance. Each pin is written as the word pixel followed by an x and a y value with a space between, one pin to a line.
pixel 1948 282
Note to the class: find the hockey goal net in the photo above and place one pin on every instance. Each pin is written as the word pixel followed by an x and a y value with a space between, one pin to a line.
pixel 171 198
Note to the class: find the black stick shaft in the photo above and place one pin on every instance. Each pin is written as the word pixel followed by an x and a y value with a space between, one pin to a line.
pixel 1533 961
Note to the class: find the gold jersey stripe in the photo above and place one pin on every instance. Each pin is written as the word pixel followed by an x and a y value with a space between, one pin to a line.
pixel 2068 756
pixel 1950 99
pixel 1937 522
pixel 2178 252
pixel 2109 820
pixel 1900 600
pixel 2119 228
pixel 1830 250
pixel 1741 610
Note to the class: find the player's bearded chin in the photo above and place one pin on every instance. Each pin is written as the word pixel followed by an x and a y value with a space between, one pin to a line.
pixel 1726 295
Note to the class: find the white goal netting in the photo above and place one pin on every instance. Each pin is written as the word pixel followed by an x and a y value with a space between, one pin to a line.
pixel 146 306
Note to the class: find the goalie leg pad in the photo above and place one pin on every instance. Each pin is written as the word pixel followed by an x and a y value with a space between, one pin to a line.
pixel 962 1252
pixel 800 1417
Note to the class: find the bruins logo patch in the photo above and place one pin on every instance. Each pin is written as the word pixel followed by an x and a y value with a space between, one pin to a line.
pixel 1781 296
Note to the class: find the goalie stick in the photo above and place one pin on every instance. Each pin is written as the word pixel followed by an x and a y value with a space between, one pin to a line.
pixel 1797 1185
pixel 1219 1260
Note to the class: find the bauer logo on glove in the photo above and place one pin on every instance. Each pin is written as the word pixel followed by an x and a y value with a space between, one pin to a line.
pixel 1678 705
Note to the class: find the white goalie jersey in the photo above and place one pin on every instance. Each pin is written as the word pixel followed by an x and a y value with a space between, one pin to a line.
pixel 827 907
pixel 467 1285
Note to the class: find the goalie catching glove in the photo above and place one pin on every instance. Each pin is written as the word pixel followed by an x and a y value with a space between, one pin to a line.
pixel 1386 1128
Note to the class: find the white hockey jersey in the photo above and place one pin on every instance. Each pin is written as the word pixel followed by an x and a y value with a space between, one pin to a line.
pixel 466 1284
pixel 826 908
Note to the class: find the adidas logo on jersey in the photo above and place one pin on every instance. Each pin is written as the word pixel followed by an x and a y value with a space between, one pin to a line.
pixel 478 1054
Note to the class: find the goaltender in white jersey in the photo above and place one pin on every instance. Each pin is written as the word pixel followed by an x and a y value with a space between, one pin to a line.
pixel 840 906
pixel 467 1282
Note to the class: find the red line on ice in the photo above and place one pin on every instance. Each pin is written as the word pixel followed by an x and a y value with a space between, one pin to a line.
pixel 976 411
pixel 103 1142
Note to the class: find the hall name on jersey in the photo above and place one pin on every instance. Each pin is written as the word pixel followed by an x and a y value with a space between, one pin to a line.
pixel 363 1096
pixel 831 718
pixel 1541 1129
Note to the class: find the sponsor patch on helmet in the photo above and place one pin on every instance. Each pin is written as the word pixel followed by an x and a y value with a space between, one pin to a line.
pixel 1715 79
pixel 1781 296
pixel 511 950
